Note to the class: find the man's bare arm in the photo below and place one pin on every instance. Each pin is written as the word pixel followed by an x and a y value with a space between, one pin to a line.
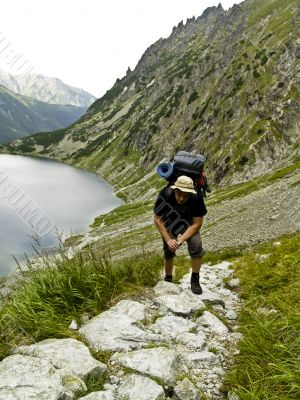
pixel 172 243
pixel 194 228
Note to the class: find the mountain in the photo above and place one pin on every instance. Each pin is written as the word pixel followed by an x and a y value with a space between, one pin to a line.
pixel 20 115
pixel 49 90
pixel 226 84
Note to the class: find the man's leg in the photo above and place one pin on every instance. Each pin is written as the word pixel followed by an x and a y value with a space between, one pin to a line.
pixel 196 252
pixel 169 255
pixel 196 264
pixel 169 270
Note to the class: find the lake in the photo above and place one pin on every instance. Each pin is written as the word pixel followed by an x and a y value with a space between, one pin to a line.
pixel 43 196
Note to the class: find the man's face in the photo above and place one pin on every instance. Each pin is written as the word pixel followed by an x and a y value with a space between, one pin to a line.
pixel 181 197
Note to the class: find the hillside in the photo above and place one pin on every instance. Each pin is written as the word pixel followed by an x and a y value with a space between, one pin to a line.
pixel 21 116
pixel 225 84
pixel 46 89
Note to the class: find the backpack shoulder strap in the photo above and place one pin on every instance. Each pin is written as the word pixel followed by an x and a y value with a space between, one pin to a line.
pixel 168 192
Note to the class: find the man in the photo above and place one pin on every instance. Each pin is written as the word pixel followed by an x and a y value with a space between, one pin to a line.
pixel 178 211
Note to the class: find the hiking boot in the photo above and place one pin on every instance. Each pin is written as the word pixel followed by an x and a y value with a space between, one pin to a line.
pixel 196 288
pixel 168 278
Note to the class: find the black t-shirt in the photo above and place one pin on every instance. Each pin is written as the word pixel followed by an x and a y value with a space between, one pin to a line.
pixel 177 217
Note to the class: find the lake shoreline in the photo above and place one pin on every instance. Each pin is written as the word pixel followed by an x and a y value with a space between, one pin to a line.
pixel 74 188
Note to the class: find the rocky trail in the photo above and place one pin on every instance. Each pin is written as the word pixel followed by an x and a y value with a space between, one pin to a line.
pixel 167 344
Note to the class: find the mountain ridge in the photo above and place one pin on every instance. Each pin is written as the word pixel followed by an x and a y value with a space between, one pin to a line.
pixel 225 84
pixel 46 89
pixel 21 116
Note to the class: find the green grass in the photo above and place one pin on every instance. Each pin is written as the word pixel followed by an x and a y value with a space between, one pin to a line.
pixel 45 305
pixel 268 366
pixel 123 212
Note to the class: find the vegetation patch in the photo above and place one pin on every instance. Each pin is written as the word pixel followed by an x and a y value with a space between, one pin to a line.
pixel 44 306
pixel 268 365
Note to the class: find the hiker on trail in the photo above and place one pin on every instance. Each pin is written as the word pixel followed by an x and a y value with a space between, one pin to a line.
pixel 178 211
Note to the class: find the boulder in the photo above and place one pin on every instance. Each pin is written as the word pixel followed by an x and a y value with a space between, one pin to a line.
pixel 234 283
pixel 103 395
pixel 186 390
pixel 179 305
pixel 207 296
pixel 213 323
pixel 27 378
pixel 171 326
pixel 200 357
pixel 158 362
pixel 112 331
pixel 194 341
pixel 136 387
pixel 164 288
pixel 132 309
pixel 69 355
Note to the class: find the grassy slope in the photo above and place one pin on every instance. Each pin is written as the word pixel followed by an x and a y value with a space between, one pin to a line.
pixel 268 366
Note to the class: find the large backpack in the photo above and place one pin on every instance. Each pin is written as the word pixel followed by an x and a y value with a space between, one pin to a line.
pixel 191 165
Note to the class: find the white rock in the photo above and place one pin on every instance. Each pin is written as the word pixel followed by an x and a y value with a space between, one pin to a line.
pixel 232 395
pixel 178 304
pixel 234 283
pixel 218 308
pixel 277 244
pixel 222 265
pixel 85 318
pixel 115 332
pixel 70 355
pixel 103 395
pixel 27 378
pixel 231 314
pixel 194 299
pixel 213 322
pixel 136 387
pixel 237 336
pixel 133 309
pixel 260 258
pixel 192 340
pixel 206 357
pixel 109 386
pixel 172 326
pixel 186 390
pixel 218 371
pixel 164 288
pixel 207 296
pixel 267 311
pixel 73 325
pixel 158 362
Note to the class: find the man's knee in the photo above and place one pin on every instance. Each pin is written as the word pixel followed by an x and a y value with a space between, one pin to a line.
pixel 195 246
pixel 168 254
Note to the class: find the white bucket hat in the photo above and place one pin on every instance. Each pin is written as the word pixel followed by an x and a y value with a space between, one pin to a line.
pixel 185 184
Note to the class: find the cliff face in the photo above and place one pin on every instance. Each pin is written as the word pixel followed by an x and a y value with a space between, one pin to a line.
pixel 226 84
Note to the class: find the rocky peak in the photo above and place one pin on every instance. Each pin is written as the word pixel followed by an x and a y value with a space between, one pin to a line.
pixel 46 89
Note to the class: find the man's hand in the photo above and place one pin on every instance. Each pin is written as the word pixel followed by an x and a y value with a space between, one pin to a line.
pixel 173 244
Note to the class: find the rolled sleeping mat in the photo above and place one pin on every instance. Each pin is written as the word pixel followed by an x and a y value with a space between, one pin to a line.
pixel 165 169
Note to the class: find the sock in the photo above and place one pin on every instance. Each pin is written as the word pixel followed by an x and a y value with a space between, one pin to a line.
pixel 195 277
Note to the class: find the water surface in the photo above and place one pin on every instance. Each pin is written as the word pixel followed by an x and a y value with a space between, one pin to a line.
pixel 56 197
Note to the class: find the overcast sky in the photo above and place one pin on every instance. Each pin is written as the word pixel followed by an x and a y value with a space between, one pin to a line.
pixel 87 43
